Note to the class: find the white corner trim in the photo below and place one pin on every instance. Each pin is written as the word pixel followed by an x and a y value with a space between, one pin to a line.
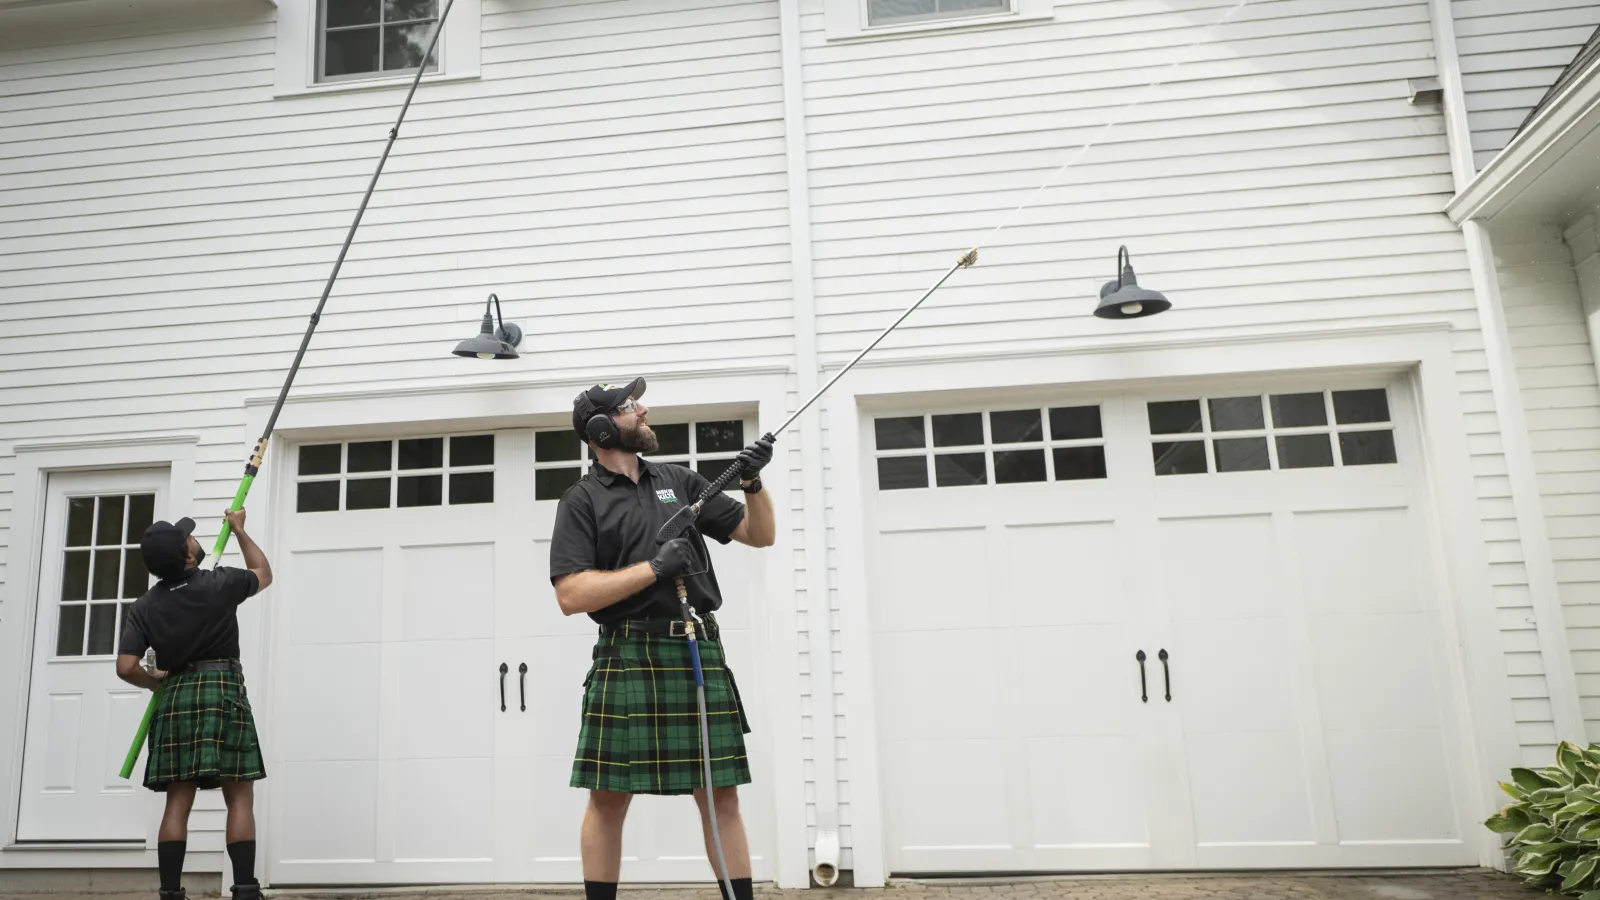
pixel 847 20
pixel 1458 131
pixel 460 52
pixel 1572 116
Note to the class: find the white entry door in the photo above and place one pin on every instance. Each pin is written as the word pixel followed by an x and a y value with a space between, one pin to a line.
pixel 1161 632
pixel 81 717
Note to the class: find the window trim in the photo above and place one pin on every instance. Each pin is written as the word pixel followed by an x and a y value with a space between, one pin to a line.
pixel 459 52
pixel 848 19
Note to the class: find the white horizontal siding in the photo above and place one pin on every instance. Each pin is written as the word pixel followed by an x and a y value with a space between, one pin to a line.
pixel 1511 52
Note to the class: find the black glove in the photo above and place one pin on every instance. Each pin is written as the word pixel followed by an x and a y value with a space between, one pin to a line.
pixel 755 457
pixel 674 558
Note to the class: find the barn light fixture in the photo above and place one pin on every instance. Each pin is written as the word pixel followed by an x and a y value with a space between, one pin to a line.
pixel 492 342
pixel 1124 298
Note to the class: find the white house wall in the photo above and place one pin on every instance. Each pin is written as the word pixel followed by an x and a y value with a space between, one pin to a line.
pixel 1511 52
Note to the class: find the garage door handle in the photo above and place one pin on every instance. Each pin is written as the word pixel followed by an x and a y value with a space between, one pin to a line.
pixel 503 670
pixel 1166 673
pixel 522 684
pixel 1144 695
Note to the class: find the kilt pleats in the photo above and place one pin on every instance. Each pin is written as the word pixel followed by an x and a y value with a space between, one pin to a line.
pixel 203 731
pixel 641 728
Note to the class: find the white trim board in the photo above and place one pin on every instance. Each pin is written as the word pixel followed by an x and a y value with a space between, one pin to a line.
pixel 1489 725
pixel 35 462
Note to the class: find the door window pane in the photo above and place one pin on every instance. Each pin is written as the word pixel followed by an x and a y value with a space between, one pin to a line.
pixel 1358 407
pixel 550 484
pixel 75 575
pixel 102 629
pixel 958 469
pixel 107 574
pixel 69 630
pixel 902 472
pixel 370 456
pixel 718 437
pixel 80 521
pixel 141 512
pixel 1298 410
pixel 958 430
pixel 366 493
pixel 900 433
pixel 1079 463
pixel 1305 451
pixel 320 459
pixel 135 577
pixel 316 496
pixel 108 531
pixel 1174 417
pixel 471 487
pixel 1242 455
pixel 549 446
pixel 478 449
pixel 1180 457
pixel 1013 466
pixel 1367 448
pixel 422 453
pixel 1237 414
pixel 1075 423
pixel 1016 427
pixel 420 490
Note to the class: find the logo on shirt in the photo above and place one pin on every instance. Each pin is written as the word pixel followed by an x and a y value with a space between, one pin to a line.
pixel 666 495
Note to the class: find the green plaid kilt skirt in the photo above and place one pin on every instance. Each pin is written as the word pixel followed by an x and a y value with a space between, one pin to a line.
pixel 641 722
pixel 203 731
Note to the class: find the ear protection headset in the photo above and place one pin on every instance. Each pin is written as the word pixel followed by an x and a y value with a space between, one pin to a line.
pixel 602 430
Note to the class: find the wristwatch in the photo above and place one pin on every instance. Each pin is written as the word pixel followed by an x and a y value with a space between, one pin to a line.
pixel 751 487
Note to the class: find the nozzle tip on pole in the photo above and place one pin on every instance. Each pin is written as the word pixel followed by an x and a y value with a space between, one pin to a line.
pixel 968 259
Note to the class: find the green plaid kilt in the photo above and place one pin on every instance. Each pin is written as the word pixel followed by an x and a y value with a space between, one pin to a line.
pixel 202 731
pixel 641 722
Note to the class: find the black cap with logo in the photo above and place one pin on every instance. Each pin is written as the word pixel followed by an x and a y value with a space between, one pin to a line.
pixel 165 547
pixel 602 398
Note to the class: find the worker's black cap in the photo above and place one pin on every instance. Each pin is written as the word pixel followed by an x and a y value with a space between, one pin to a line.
pixel 165 547
pixel 601 398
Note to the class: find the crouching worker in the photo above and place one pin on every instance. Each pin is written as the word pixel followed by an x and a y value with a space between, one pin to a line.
pixel 202 734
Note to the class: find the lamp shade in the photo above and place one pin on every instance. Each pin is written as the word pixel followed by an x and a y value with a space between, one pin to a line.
pixel 492 342
pixel 1125 299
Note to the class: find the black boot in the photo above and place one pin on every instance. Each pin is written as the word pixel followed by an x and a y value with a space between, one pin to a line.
pixel 245 892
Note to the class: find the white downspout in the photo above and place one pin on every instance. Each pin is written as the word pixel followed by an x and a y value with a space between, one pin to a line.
pixel 1560 678
pixel 818 619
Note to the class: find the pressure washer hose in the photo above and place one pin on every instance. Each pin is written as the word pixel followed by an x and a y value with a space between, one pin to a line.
pixel 705 734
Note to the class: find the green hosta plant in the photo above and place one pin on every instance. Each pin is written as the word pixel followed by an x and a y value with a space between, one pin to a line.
pixel 1552 830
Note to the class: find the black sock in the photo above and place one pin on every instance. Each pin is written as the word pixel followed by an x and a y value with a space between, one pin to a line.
pixel 243 854
pixel 169 856
pixel 599 890
pixel 742 889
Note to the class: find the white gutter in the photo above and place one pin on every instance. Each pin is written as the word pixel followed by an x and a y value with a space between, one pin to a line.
pixel 818 619
pixel 1550 620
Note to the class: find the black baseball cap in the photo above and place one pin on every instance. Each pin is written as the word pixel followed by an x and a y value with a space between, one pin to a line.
pixel 165 547
pixel 602 398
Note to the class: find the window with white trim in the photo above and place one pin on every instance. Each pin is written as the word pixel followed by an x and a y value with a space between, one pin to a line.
pixel 1319 429
pixel 102 571
pixel 708 447
pixel 843 19
pixel 344 45
pixel 1003 446
pixel 422 471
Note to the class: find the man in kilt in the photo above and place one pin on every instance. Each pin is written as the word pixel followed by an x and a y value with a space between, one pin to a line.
pixel 202 734
pixel 640 732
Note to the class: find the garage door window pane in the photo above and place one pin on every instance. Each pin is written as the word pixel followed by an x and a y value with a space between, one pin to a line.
pixel 674 440
pixel 1237 414
pixel 370 456
pixel 1298 411
pixel 1013 466
pixel 1242 455
pixel 550 484
pixel 550 446
pixel 420 490
pixel 478 449
pixel 711 468
pixel 471 487
pixel 1075 423
pixel 1367 448
pixel 897 473
pixel 1180 457
pixel 1080 463
pixel 1359 407
pixel 900 433
pixel 1305 451
pixel 317 496
pixel 422 453
pixel 958 469
pixel 1018 426
pixel 320 459
pixel 958 430
pixel 366 493
pixel 1174 417
pixel 718 437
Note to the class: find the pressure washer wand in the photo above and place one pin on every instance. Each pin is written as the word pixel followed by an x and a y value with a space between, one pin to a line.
pixel 705 730
pixel 253 466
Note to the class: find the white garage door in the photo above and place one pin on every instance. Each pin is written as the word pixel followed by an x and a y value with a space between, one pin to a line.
pixel 1175 631
pixel 406 743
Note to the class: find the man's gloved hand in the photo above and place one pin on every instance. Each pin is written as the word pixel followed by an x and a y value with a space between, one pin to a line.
pixel 755 457
pixel 674 558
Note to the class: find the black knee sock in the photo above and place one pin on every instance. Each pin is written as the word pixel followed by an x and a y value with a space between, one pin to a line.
pixel 599 890
pixel 742 889
pixel 243 854
pixel 169 856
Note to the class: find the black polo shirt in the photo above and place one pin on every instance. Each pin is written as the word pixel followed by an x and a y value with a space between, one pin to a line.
pixel 189 618
pixel 606 522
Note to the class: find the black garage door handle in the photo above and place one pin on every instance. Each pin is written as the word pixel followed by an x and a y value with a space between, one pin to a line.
pixel 1144 695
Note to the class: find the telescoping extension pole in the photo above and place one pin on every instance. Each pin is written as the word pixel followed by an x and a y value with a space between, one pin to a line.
pixel 253 466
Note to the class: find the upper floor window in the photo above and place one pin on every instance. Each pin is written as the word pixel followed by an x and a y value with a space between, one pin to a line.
pixel 845 19
pixel 362 38
pixel 895 12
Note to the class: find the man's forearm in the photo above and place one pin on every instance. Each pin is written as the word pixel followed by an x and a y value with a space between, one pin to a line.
pixel 254 558
pixel 129 670
pixel 586 592
pixel 762 528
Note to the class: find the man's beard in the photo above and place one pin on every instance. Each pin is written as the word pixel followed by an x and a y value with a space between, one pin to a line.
pixel 639 439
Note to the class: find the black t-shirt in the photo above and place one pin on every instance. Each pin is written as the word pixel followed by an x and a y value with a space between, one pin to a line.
pixel 190 618
pixel 607 522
